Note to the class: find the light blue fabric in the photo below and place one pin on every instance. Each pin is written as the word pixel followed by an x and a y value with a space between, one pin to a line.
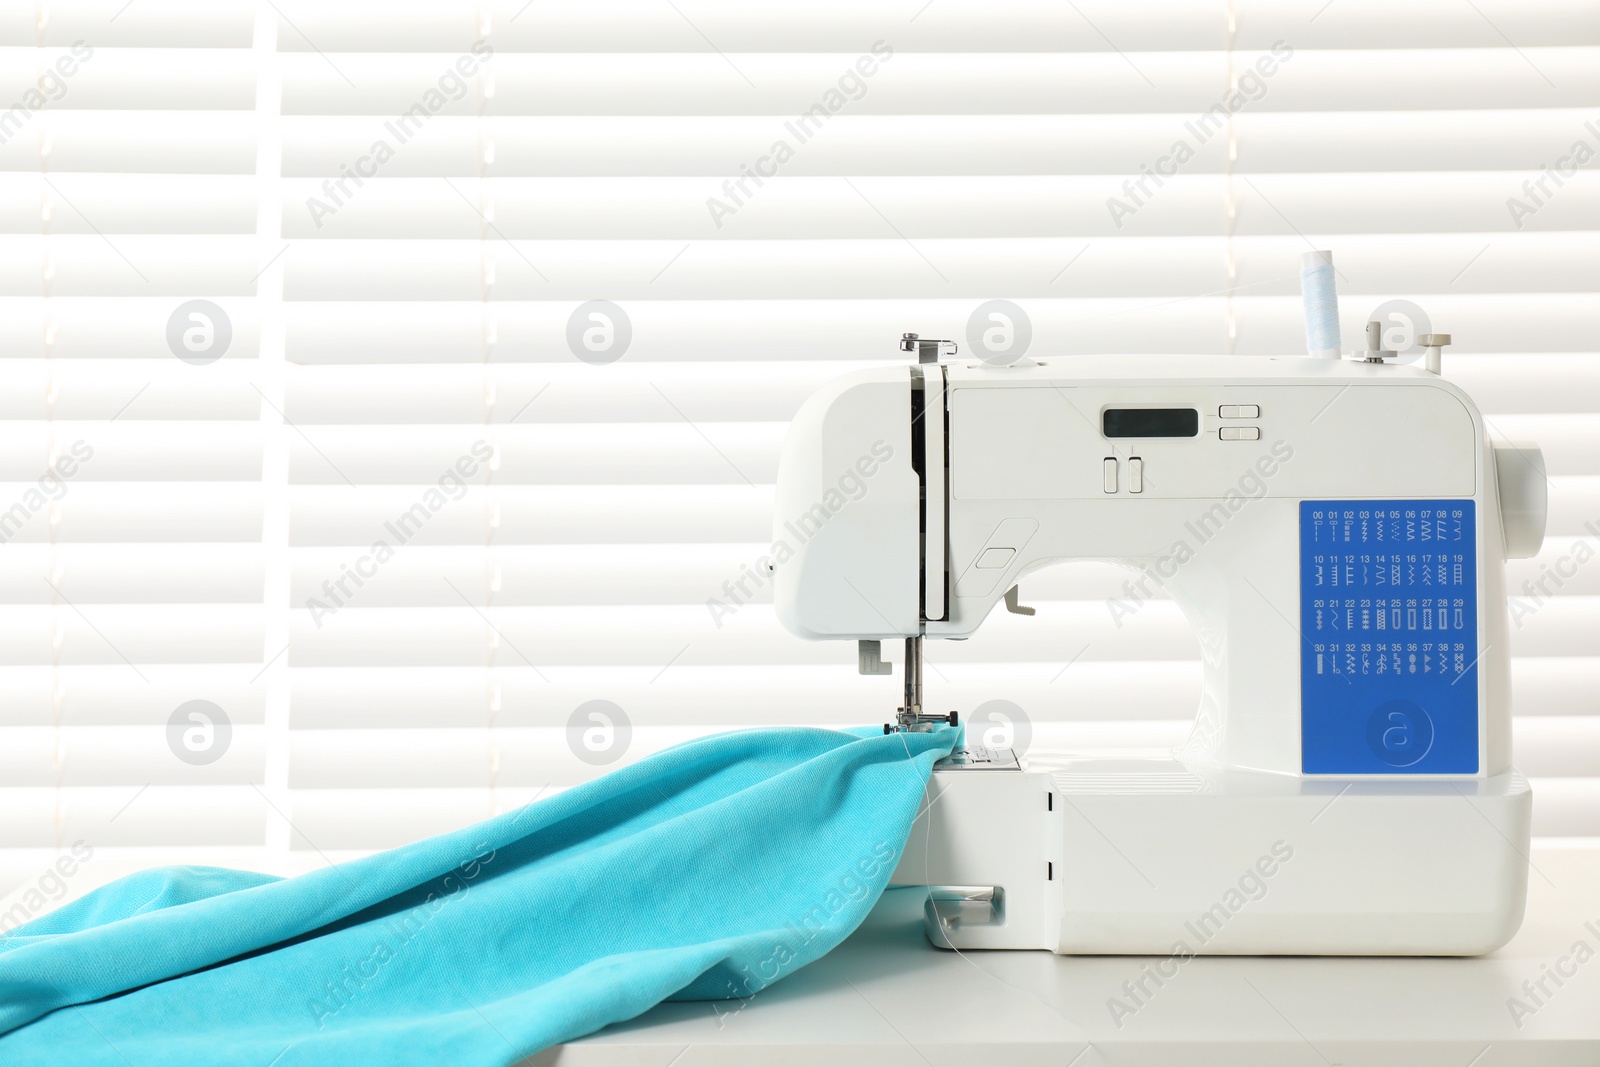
pixel 709 870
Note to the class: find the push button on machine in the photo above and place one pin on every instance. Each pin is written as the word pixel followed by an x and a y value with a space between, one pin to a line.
pixel 1239 411
pixel 1240 433
pixel 995 557
pixel 1135 475
pixel 1111 474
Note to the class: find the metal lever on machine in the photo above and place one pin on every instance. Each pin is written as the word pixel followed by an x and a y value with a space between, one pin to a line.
pixel 927 351
pixel 1012 605
pixel 869 658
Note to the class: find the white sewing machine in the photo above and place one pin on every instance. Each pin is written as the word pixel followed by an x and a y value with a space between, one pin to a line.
pixel 1335 532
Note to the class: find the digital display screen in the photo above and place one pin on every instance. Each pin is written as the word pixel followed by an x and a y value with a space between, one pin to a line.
pixel 1150 422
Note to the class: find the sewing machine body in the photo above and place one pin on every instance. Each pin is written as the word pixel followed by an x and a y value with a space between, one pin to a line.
pixel 1335 533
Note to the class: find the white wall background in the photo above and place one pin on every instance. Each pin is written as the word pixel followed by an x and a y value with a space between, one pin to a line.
pixel 378 338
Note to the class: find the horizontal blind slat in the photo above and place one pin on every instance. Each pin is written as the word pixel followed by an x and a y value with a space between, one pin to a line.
pixel 103 326
pixel 87 633
pixel 870 145
pixel 126 203
pixel 85 74
pixel 92 695
pixel 906 265
pixel 810 207
pixel 880 80
pixel 131 573
pixel 140 512
pixel 193 24
pixel 640 26
pixel 150 142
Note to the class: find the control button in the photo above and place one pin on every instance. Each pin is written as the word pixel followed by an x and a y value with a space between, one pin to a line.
pixel 1135 475
pixel 1239 411
pixel 995 557
pixel 1228 411
pixel 1241 433
pixel 1111 474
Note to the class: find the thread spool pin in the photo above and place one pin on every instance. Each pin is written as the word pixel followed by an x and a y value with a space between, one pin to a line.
pixel 1375 352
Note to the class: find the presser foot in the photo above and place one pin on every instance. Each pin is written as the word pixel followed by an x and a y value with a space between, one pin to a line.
pixel 911 720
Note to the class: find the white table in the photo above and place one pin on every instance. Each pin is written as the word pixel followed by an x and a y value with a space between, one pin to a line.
pixel 886 997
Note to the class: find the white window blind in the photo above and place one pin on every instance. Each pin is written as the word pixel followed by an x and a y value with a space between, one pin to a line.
pixel 419 513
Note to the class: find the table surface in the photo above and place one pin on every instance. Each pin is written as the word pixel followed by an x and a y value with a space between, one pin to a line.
pixel 887 997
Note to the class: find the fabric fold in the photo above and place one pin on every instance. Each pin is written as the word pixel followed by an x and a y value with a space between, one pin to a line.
pixel 705 871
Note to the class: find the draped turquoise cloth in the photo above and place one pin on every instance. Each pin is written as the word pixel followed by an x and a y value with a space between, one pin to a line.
pixel 709 870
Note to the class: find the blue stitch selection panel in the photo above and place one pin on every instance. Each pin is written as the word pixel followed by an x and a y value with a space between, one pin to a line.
pixel 1389 612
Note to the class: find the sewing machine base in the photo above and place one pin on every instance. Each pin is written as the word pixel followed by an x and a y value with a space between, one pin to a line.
pixel 1160 857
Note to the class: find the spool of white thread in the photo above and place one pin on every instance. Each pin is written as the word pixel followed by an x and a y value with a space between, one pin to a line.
pixel 1320 296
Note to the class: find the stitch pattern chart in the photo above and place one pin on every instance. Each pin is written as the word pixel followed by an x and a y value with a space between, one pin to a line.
pixel 1389 611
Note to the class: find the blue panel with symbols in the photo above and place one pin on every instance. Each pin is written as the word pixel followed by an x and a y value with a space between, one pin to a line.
pixel 1389 613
